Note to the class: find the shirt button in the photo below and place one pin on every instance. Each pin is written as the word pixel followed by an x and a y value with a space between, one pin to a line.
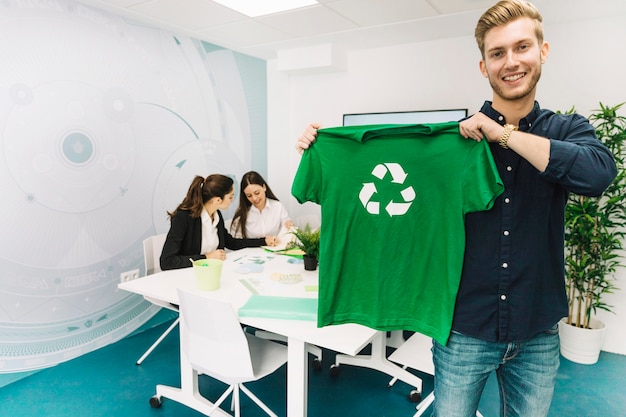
pixel 509 168
pixel 507 200
pixel 505 265
pixel 506 233
pixel 503 297
pixel 501 118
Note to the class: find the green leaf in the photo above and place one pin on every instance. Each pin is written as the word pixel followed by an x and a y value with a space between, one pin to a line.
pixel 595 226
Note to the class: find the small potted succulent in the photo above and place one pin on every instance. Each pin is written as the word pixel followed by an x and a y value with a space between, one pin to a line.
pixel 308 241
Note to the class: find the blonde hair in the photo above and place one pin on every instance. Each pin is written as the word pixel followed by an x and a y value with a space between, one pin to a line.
pixel 505 12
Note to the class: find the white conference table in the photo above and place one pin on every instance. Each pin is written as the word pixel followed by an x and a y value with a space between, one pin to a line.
pixel 246 272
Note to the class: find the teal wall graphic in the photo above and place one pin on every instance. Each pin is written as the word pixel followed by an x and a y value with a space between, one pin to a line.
pixel 103 124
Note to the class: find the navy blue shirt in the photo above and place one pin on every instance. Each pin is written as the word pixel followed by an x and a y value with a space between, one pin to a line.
pixel 513 285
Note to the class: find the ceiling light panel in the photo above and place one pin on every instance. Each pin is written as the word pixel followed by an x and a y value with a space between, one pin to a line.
pixel 254 8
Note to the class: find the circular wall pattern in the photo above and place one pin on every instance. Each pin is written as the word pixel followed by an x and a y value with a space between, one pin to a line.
pixel 103 126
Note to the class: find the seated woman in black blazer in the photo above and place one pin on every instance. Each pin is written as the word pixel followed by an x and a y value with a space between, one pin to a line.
pixel 197 228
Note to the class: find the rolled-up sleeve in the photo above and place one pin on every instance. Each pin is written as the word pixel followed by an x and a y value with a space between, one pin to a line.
pixel 579 161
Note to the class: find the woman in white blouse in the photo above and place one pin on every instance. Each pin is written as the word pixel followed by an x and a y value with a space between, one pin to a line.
pixel 197 228
pixel 259 213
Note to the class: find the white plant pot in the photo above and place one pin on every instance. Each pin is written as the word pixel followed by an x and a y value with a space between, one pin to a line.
pixel 582 345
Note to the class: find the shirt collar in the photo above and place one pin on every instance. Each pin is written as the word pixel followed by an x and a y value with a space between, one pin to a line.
pixel 524 124
pixel 206 219
pixel 268 204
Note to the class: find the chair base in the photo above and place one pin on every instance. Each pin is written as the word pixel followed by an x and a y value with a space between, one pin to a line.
pixel 159 340
pixel 378 360
pixel 189 398
pixel 193 399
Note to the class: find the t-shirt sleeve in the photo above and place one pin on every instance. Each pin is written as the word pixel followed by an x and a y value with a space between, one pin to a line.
pixel 306 185
pixel 481 181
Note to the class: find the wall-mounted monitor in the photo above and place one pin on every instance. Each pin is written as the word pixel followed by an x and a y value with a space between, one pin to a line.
pixel 404 117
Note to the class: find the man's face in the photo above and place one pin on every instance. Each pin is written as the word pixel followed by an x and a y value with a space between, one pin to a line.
pixel 513 59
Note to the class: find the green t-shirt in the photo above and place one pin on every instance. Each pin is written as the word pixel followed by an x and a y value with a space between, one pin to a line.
pixel 393 201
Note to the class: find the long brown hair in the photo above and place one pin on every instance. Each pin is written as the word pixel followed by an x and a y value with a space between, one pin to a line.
pixel 250 177
pixel 202 190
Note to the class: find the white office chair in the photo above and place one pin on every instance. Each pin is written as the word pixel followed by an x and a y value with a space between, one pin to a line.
pixel 214 344
pixel 152 248
pixel 416 353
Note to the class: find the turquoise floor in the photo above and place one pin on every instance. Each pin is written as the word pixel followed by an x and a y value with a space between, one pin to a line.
pixel 107 383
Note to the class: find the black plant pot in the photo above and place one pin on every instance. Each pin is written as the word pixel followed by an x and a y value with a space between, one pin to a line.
pixel 310 262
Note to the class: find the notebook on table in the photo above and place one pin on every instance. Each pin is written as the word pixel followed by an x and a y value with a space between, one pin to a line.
pixel 290 308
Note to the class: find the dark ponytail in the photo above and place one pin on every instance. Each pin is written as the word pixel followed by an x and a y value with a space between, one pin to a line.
pixel 202 190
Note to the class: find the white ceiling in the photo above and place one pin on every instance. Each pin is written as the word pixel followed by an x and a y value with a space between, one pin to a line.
pixel 349 24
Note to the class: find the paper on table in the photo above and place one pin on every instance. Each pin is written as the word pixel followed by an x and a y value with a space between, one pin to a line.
pixel 284 238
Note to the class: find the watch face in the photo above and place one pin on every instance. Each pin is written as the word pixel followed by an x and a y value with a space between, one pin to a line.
pixel 104 125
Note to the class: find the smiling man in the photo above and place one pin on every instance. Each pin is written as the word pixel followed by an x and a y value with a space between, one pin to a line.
pixel 512 291
pixel 512 288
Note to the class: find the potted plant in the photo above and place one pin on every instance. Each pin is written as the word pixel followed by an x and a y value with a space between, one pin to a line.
pixel 308 241
pixel 594 233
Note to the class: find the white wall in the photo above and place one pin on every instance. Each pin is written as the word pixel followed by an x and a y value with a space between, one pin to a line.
pixel 585 67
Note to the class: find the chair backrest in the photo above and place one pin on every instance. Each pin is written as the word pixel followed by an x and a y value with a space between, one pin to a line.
pixel 415 353
pixel 212 337
pixel 152 247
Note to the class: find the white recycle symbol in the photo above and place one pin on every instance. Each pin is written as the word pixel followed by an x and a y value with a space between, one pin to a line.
pixel 397 176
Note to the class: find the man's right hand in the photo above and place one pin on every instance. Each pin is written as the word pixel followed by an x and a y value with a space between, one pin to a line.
pixel 307 137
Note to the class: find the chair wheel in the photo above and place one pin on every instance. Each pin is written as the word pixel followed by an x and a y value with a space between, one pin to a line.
pixel 317 364
pixel 155 401
pixel 334 370
pixel 415 396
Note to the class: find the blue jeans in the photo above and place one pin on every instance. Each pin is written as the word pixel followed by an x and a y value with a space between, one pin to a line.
pixel 526 373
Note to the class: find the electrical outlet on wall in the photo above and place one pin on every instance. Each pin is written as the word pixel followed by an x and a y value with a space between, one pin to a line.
pixel 129 275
